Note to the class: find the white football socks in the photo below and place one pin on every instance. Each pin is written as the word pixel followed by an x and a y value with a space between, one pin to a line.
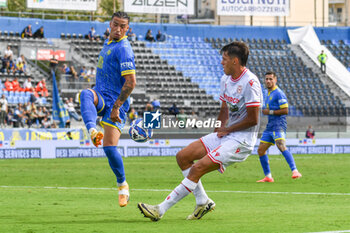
pixel 181 191
pixel 269 175
pixel 199 192
pixel 122 184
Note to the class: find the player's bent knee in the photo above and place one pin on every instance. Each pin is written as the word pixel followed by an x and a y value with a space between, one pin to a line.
pixel 86 94
pixel 261 152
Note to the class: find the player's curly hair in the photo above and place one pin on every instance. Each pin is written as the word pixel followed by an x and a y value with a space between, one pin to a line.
pixel 122 15
pixel 237 49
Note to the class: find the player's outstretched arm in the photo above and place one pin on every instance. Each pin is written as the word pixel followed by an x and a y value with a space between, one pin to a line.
pixel 250 120
pixel 282 111
pixel 128 87
pixel 223 115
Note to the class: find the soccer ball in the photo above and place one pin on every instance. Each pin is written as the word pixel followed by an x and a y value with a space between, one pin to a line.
pixel 138 133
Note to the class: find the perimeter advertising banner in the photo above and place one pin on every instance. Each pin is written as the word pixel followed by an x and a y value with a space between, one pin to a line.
pixel 253 7
pixel 76 5
pixel 176 7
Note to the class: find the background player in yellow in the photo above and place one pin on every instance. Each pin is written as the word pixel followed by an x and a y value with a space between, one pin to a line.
pixel 276 107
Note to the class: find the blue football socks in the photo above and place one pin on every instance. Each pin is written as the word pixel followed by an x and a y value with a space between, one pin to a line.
pixel 264 160
pixel 290 160
pixel 115 162
pixel 88 109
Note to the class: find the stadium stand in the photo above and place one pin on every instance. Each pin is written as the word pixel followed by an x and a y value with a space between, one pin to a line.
pixel 340 49
pixel 179 71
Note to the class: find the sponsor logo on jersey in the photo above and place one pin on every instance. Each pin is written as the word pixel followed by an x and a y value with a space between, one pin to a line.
pixel 127 65
pixel 231 99
pixel 251 82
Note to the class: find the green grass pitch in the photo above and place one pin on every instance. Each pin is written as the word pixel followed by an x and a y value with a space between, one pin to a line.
pixel 31 202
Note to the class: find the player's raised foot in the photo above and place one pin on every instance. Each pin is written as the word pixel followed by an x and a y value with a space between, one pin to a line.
pixel 296 175
pixel 150 211
pixel 266 179
pixel 201 210
pixel 96 137
pixel 124 195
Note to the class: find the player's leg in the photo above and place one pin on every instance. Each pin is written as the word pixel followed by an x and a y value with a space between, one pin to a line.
pixel 264 161
pixel 185 159
pixel 110 142
pixel 281 144
pixel 187 185
pixel 265 142
pixel 89 103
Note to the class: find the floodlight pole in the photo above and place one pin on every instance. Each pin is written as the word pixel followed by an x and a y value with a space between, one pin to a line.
pixel 322 13
pixel 315 14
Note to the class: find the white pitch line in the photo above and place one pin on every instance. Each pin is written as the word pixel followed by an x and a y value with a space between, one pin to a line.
pixel 168 190
pixel 331 231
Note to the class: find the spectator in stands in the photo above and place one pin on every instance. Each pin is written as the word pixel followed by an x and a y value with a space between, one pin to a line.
pixel 18 117
pixel 45 123
pixel 149 107
pixel 66 70
pixel 174 110
pixel 91 74
pixel 92 34
pixel 8 54
pixel 27 32
pixel 71 110
pixel 69 136
pixel 83 74
pixel 27 85
pixel 74 75
pixel 4 110
pixel 8 85
pixel 156 105
pixel 40 114
pixel 132 115
pixel 106 34
pixel 131 35
pixel 16 86
pixel 182 117
pixel 33 96
pixel 323 59
pixel 9 117
pixel 41 88
pixel 53 64
pixel 39 33
pixel 160 36
pixel 310 132
pixel 23 61
pixel 149 37
pixel 33 116
pixel 19 67
pixel 9 67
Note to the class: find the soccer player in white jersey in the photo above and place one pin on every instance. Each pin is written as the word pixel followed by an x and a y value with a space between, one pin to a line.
pixel 233 142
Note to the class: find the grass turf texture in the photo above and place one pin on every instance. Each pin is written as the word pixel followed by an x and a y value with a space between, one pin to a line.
pixel 39 209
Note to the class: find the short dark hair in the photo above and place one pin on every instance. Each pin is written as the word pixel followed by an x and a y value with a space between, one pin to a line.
pixel 121 14
pixel 237 49
pixel 270 72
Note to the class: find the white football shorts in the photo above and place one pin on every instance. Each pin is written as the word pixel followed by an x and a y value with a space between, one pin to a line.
pixel 226 150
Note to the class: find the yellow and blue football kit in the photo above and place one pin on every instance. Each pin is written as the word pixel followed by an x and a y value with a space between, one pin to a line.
pixel 116 60
pixel 277 124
